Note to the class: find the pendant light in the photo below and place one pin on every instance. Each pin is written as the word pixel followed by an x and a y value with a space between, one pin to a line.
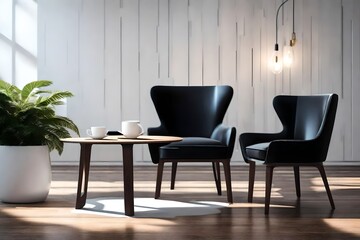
pixel 285 58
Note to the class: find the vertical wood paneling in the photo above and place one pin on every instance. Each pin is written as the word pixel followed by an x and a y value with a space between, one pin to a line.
pixel 163 46
pixel 92 77
pixel 148 63
pixel 259 84
pixel 306 49
pixel 91 61
pixel 179 37
pixel 130 91
pixel 298 83
pixel 314 7
pixel 227 37
pixel 227 61
pixel 330 55
pixel 58 57
pixel 110 53
pixel 267 34
pixel 195 43
pixel 131 64
pixel 285 82
pixel 210 42
pixel 245 87
pixel 347 53
pixel 112 62
pixel 355 79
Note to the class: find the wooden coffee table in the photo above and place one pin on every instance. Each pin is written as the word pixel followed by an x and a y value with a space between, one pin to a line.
pixel 128 170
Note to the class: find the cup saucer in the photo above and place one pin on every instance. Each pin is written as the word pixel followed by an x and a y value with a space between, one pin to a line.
pixel 131 137
pixel 97 138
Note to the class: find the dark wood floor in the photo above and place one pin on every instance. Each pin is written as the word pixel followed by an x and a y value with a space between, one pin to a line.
pixel 289 218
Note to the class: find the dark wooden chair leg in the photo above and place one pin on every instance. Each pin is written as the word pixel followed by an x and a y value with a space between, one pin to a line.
pixel 326 184
pixel 251 181
pixel 173 175
pixel 269 176
pixel 216 171
pixel 297 180
pixel 159 178
pixel 227 173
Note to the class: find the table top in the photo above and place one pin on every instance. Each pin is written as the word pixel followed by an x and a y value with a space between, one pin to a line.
pixel 123 140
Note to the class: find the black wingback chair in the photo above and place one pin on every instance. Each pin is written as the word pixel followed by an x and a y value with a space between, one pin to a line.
pixel 194 113
pixel 307 122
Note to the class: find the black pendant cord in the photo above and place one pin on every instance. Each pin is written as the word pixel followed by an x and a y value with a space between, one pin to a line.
pixel 277 14
pixel 293 16
pixel 293 36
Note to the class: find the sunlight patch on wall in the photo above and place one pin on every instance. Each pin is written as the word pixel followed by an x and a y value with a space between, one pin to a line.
pixel 6 18
pixel 5 60
pixel 18 41
pixel 26 25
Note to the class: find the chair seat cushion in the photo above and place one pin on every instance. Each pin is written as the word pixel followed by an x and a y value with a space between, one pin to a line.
pixel 257 151
pixel 194 148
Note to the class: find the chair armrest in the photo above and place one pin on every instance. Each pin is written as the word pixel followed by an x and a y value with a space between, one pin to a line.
pixel 226 135
pixel 247 139
pixel 154 147
pixel 157 131
pixel 296 151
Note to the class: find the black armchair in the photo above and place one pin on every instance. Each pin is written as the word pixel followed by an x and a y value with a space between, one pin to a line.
pixel 196 114
pixel 304 141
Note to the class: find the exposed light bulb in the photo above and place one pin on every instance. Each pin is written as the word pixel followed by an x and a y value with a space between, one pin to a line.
pixel 276 61
pixel 288 56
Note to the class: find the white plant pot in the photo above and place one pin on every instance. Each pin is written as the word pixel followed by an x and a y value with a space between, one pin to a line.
pixel 25 174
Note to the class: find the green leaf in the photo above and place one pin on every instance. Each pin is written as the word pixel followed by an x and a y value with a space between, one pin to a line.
pixel 27 116
pixel 28 89
pixel 54 98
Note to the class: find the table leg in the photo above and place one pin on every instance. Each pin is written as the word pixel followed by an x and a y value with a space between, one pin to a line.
pixel 85 153
pixel 128 173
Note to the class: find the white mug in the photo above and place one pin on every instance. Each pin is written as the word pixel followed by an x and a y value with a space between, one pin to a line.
pixel 97 132
pixel 131 129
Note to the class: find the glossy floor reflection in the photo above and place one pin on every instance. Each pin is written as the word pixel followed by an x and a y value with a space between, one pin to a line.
pixel 193 210
pixel 150 208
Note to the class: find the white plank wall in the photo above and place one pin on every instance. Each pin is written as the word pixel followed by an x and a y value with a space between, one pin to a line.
pixel 110 53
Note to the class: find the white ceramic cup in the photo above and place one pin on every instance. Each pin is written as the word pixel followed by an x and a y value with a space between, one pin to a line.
pixel 97 132
pixel 131 129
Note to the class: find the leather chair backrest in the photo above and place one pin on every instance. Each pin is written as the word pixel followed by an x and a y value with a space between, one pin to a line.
pixel 306 117
pixel 310 114
pixel 191 111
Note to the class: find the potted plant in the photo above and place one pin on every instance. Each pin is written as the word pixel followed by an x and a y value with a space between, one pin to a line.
pixel 29 130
